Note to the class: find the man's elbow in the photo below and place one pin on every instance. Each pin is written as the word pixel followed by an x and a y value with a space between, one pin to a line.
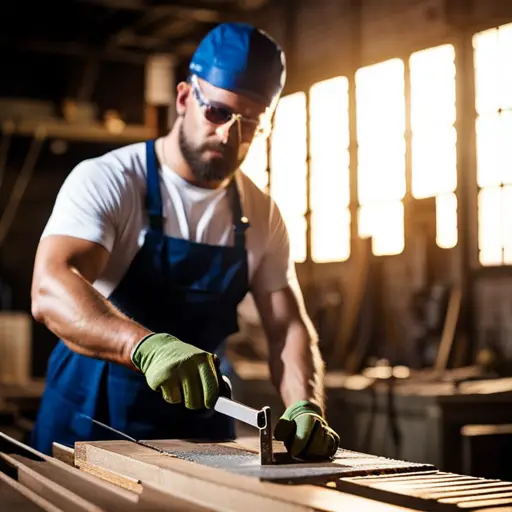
pixel 38 296
pixel 36 306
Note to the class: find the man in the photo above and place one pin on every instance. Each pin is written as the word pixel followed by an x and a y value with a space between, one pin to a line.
pixel 147 254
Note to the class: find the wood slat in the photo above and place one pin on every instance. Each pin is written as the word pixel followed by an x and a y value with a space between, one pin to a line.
pixel 113 477
pixel 61 497
pixel 63 453
pixel 467 499
pixel 472 490
pixel 16 497
pixel 93 489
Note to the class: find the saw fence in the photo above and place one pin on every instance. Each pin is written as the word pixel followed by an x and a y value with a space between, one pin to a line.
pixel 195 477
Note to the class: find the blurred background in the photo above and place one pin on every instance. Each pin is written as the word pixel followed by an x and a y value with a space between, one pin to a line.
pixel 391 161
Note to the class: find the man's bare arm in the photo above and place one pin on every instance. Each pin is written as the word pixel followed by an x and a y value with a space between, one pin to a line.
pixel 64 299
pixel 295 363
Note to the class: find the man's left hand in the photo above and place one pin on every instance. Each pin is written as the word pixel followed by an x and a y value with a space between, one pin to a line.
pixel 305 432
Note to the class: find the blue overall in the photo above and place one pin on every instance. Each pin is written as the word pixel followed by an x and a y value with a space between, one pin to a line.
pixel 187 289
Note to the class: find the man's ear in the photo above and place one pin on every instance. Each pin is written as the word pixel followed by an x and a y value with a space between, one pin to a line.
pixel 183 91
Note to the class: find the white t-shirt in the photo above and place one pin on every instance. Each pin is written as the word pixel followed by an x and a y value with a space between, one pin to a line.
pixel 103 200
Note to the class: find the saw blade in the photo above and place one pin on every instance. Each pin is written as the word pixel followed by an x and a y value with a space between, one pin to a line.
pixel 126 436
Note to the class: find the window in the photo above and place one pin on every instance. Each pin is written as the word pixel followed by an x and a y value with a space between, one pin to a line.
pixel 329 178
pixel 434 157
pixel 256 163
pixel 493 102
pixel 288 157
pixel 381 154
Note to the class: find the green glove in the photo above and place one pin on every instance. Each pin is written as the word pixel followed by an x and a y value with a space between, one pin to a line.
pixel 305 433
pixel 182 372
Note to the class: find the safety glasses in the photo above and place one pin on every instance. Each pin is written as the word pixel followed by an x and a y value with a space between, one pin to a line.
pixel 220 115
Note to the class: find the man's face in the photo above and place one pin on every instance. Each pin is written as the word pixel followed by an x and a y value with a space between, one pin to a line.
pixel 214 149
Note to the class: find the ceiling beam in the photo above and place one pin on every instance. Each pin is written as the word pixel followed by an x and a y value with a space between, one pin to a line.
pixel 181 9
pixel 181 48
pixel 73 49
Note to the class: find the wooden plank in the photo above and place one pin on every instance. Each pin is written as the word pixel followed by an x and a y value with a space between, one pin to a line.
pixel 63 453
pixel 402 500
pixel 14 496
pixel 97 492
pixel 112 477
pixel 158 498
pixel 12 446
pixel 61 497
pixel 93 489
pixel 209 485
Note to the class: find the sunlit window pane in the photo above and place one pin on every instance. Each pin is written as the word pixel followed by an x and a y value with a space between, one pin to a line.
pixel 290 190
pixel 434 137
pixel 381 154
pixel 494 149
pixel 493 101
pixel 433 87
pixel 329 178
pixel 446 221
pixel 380 101
pixel 288 184
pixel 506 225
pixel 489 226
pixel 330 241
pixel 289 133
pixel 381 171
pixel 375 220
pixel 495 225
pixel 434 162
pixel 493 69
pixel 256 162
pixel 328 104
pixel 297 229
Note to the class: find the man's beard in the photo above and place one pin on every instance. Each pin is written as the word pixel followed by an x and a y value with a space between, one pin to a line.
pixel 216 169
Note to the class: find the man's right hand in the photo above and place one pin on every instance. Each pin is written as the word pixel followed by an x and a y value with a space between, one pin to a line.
pixel 182 372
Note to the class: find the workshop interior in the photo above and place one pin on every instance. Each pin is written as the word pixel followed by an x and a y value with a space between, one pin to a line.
pixel 388 160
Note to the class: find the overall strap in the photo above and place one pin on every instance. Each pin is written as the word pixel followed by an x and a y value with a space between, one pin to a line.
pixel 153 196
pixel 240 221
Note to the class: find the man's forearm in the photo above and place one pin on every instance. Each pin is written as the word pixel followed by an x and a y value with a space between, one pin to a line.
pixel 296 366
pixel 74 311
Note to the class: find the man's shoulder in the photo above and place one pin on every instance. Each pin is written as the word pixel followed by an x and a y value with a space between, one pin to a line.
pixel 250 191
pixel 124 159
pixel 121 165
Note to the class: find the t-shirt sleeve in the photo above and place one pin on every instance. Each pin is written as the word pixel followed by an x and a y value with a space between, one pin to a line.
pixel 88 205
pixel 276 269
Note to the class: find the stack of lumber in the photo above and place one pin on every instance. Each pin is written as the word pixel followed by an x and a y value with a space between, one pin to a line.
pixel 198 477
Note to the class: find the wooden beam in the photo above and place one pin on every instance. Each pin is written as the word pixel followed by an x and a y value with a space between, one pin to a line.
pixel 186 9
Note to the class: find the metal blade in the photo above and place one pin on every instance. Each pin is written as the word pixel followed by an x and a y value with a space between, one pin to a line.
pixel 125 436
pixel 240 412
pixel 261 419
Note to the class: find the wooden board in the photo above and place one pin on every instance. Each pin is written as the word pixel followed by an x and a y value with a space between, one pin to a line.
pixel 63 453
pixel 209 485
pixel 14 496
pixel 72 489
pixel 241 457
